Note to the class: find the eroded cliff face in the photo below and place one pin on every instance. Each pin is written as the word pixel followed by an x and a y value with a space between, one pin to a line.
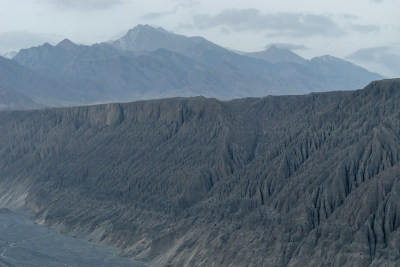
pixel 278 181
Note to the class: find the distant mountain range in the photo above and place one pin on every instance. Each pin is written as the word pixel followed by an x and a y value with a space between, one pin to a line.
pixel 151 62
pixel 278 55
pixel 12 99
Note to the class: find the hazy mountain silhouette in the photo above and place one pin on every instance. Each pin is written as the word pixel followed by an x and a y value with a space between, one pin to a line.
pixel 276 55
pixel 144 38
pixel 12 99
pixel 45 87
pixel 280 180
pixel 116 75
pixel 153 63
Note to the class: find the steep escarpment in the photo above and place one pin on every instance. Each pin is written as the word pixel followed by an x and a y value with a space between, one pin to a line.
pixel 274 181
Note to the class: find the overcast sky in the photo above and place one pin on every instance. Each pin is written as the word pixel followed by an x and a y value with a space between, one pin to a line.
pixel 366 32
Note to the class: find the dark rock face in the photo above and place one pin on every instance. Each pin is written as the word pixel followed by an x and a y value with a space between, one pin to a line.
pixel 277 181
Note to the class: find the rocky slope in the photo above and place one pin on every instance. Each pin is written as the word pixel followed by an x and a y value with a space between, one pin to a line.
pixel 276 54
pixel 43 87
pixel 277 181
pixel 12 99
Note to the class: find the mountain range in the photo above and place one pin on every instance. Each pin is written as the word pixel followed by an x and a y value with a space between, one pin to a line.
pixel 11 99
pixel 308 180
pixel 277 55
pixel 151 62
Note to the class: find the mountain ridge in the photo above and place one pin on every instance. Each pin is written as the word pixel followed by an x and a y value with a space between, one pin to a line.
pixel 278 180
pixel 72 74
pixel 12 99
pixel 275 55
pixel 66 44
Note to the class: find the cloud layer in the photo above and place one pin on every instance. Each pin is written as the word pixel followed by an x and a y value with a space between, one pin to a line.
pixel 381 55
pixel 369 28
pixel 288 46
pixel 25 39
pixel 85 5
pixel 282 24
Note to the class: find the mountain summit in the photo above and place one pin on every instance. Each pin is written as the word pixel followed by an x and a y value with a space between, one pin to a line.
pixel 67 44
pixel 275 54
pixel 144 38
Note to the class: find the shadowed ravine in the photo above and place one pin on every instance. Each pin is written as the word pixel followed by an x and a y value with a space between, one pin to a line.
pixel 276 181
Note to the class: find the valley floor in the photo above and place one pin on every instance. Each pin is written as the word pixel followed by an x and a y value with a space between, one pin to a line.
pixel 23 243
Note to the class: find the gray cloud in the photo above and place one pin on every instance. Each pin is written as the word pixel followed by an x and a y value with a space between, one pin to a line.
pixel 187 3
pixel 277 24
pixel 156 15
pixel 288 46
pixel 182 5
pixel 85 5
pixel 381 55
pixel 347 16
pixel 224 30
pixel 369 54
pixel 17 39
pixel 365 28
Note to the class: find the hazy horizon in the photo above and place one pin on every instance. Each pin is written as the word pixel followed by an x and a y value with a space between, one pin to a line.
pixel 363 31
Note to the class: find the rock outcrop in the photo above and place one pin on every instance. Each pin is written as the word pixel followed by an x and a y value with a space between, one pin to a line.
pixel 277 181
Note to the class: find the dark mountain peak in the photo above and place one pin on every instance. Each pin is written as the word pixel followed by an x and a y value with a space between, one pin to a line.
pixel 145 28
pixel 139 30
pixel 326 58
pixel 143 38
pixel 275 54
pixel 66 44
pixel 274 48
pixel 45 45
